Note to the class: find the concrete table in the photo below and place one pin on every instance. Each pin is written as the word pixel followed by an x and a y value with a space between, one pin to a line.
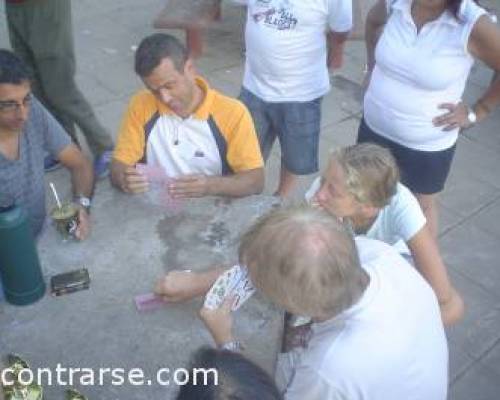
pixel 133 243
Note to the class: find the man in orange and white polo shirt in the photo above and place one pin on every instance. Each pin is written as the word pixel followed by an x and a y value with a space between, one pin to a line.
pixel 203 139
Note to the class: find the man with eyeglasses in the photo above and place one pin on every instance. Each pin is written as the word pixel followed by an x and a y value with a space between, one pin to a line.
pixel 27 133
pixel 41 34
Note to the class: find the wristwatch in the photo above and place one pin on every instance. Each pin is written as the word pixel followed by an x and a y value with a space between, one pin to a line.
pixel 471 116
pixel 233 345
pixel 84 201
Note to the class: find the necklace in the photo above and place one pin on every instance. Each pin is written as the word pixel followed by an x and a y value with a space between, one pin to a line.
pixel 175 136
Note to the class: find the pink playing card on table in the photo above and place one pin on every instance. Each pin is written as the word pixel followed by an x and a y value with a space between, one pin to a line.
pixel 148 302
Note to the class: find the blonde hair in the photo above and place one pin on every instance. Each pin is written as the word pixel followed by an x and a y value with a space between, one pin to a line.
pixel 304 260
pixel 371 173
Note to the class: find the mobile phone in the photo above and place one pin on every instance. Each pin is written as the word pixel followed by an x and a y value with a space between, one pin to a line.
pixel 69 282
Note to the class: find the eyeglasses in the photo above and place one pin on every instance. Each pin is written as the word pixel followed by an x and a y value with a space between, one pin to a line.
pixel 12 106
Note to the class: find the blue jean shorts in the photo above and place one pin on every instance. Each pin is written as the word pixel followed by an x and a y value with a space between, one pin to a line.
pixel 423 172
pixel 295 124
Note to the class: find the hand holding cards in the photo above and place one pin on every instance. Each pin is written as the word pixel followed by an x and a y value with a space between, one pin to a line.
pixel 153 174
pixel 148 302
pixel 159 183
pixel 233 282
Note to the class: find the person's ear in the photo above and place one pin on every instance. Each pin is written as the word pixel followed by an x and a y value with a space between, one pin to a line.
pixel 189 68
pixel 369 211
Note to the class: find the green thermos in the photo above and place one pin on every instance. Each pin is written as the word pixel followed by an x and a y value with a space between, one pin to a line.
pixel 20 271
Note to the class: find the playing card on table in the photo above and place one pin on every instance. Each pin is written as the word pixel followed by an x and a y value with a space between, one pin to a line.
pixel 235 281
pixel 148 302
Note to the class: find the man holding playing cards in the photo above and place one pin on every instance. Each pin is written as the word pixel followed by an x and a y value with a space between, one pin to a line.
pixel 204 142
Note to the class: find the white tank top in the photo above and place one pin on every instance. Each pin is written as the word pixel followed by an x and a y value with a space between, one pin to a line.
pixel 414 73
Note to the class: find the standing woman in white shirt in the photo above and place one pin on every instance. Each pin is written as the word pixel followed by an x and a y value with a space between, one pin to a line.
pixel 420 53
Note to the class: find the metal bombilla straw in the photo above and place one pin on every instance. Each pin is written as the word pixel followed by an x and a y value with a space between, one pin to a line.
pixel 52 186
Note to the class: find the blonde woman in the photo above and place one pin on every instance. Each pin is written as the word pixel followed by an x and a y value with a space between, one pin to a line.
pixel 361 185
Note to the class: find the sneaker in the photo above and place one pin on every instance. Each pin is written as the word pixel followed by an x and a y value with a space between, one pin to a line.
pixel 101 164
pixel 51 164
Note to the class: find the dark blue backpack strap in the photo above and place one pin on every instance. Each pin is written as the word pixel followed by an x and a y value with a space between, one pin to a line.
pixel 148 127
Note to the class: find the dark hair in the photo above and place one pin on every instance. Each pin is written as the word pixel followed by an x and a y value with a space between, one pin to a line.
pixel 12 69
pixel 237 378
pixel 155 48
pixel 453 6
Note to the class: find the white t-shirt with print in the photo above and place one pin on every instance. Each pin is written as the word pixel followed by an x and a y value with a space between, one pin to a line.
pixel 399 221
pixel 390 345
pixel 286 49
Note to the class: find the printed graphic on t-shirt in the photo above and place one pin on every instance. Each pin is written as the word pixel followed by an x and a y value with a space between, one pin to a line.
pixel 275 14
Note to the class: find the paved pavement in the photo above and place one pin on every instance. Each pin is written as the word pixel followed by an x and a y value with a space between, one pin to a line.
pixel 107 30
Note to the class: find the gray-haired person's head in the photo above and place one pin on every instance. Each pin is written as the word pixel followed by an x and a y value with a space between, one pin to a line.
pixel 304 260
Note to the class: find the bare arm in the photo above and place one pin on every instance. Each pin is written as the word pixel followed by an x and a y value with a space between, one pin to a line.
pixel 375 20
pixel 82 175
pixel 82 180
pixel 243 183
pixel 429 263
pixel 178 286
pixel 336 44
pixel 484 44
pixel 126 178
pixel 219 322
pixel 118 174
pixel 240 184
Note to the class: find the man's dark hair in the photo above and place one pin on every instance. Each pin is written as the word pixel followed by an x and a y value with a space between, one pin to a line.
pixel 155 48
pixel 12 69
pixel 237 378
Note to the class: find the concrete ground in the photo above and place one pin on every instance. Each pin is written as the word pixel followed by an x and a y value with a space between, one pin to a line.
pixel 106 32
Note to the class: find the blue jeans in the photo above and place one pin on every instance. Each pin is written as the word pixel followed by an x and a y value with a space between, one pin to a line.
pixel 295 124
